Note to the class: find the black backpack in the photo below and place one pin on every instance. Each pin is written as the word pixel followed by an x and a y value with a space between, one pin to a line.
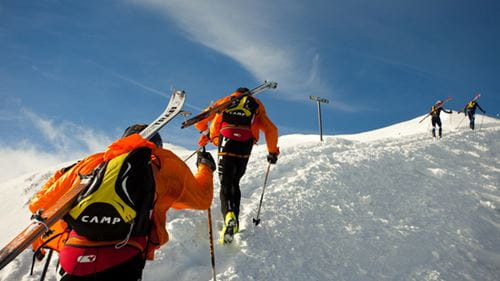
pixel 118 202
pixel 241 112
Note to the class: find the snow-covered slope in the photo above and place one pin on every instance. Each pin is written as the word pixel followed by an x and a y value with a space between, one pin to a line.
pixel 391 204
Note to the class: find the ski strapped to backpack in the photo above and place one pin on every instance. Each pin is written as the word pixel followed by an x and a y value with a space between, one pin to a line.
pixel 219 108
pixel 436 108
pixel 471 101
pixel 46 218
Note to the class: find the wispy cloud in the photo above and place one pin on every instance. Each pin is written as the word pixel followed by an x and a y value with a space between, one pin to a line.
pixel 67 137
pixel 246 31
pixel 398 64
pixel 54 144
pixel 150 89
pixel 25 158
pixel 140 85
pixel 65 142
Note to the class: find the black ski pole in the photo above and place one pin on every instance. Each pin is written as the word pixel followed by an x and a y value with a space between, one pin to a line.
pixel 47 262
pixel 210 233
pixel 211 237
pixel 209 216
pixel 257 220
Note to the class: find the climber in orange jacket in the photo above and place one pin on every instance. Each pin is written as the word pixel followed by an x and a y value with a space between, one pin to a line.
pixel 175 187
pixel 234 131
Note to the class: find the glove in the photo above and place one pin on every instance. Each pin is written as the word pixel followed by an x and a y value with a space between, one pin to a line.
pixel 207 159
pixel 272 158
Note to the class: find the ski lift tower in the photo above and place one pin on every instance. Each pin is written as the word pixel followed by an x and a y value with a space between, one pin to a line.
pixel 319 101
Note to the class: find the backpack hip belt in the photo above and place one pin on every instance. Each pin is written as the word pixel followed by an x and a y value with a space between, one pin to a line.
pixel 236 132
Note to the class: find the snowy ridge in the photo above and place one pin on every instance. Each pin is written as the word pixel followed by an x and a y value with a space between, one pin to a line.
pixel 390 204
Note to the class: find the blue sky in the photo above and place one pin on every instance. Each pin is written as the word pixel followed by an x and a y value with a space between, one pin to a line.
pixel 73 74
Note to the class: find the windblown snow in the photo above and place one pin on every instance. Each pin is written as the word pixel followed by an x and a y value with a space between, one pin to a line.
pixel 390 204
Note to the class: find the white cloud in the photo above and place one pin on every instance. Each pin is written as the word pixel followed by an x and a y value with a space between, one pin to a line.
pixel 25 158
pixel 251 33
pixel 45 126
pixel 67 137
pixel 66 142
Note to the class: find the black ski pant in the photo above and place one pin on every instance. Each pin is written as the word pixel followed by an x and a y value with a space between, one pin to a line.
pixel 233 160
pixel 436 121
pixel 471 114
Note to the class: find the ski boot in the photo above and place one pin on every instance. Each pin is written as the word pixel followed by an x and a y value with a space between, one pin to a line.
pixel 230 228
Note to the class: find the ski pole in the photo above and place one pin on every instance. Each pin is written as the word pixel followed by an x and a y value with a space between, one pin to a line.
pixel 257 220
pixel 194 152
pixel 211 237
pixel 209 216
pixel 481 125
pixel 186 114
pixel 44 272
pixel 460 123
pixel 209 212
pixel 210 234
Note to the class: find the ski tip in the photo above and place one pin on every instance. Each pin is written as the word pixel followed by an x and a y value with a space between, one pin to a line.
pixel 270 84
pixel 180 93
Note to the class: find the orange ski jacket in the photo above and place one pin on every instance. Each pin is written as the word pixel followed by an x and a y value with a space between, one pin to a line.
pixel 176 187
pixel 260 123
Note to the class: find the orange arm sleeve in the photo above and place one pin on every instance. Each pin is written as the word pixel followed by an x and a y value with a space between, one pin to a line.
pixel 265 124
pixel 177 187
pixel 176 181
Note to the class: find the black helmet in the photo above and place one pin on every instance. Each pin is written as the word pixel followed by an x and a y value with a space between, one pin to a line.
pixel 137 128
pixel 242 90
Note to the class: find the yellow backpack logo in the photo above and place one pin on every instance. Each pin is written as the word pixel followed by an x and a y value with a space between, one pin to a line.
pixel 242 112
pixel 240 107
pixel 118 201
pixel 106 193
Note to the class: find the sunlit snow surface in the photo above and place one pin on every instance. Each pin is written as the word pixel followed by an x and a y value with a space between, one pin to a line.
pixel 390 204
